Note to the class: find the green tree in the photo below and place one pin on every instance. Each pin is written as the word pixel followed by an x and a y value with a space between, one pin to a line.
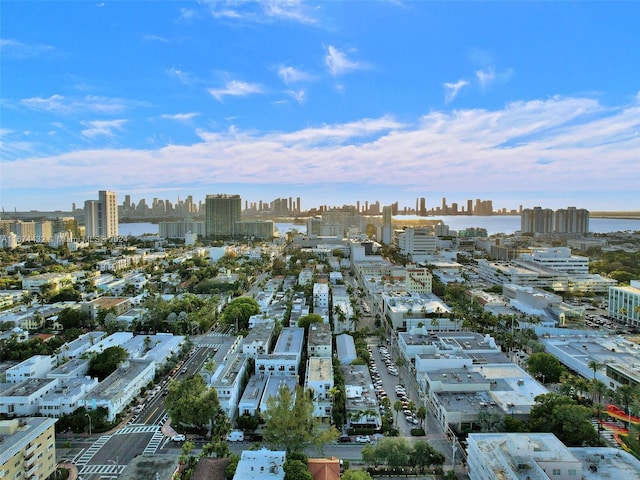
pixel 309 319
pixel 190 402
pixel 423 455
pixel 562 416
pixel 104 364
pixel 395 450
pixel 296 470
pixel 594 365
pixel 238 312
pixel 539 364
pixel 290 424
pixel 72 318
pixel 422 415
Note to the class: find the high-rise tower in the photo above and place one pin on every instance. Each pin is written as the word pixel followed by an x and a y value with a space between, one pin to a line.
pixel 101 216
pixel 221 214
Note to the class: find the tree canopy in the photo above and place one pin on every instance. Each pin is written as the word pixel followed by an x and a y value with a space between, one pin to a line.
pixel 104 364
pixel 290 424
pixel 238 312
pixel 562 416
pixel 190 402
pixel 539 364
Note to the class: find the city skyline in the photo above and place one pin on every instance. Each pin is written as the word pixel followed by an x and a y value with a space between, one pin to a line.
pixel 532 104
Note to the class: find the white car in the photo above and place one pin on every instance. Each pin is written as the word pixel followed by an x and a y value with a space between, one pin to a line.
pixel 178 438
pixel 363 439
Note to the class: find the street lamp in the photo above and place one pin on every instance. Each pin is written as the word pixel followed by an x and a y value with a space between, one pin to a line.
pixel 89 417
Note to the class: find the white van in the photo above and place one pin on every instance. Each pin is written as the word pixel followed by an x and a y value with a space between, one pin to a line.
pixel 235 436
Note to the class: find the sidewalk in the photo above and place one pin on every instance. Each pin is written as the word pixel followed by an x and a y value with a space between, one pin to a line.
pixel 73 470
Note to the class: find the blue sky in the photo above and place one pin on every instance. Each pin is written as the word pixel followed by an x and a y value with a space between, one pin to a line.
pixel 524 103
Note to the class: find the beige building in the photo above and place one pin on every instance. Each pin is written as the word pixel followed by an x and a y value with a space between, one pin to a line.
pixel 28 448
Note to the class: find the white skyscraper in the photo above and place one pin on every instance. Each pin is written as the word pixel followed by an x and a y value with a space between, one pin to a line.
pixel 101 216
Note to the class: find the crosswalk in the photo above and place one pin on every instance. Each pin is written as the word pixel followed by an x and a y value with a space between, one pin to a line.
pixel 103 470
pixel 156 441
pixel 86 456
pixel 138 428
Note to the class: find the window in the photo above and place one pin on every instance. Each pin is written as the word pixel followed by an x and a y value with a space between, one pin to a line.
pixel 556 471
pixel 572 472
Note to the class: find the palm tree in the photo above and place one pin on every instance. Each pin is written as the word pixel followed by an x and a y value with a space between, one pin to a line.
pixel 594 365
pixel 598 390
pixel 397 406
pixel 421 414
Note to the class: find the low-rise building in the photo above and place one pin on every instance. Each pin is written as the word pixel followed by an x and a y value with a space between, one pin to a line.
pixel 22 399
pixel 116 391
pixel 515 456
pixel 33 367
pixel 260 465
pixel 118 305
pixel 67 397
pixel 319 340
pixel 319 378
pixel 361 404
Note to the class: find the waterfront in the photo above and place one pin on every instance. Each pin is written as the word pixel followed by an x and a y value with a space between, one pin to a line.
pixel 495 224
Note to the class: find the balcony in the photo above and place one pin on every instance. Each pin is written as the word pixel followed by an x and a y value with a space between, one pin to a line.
pixel 32 471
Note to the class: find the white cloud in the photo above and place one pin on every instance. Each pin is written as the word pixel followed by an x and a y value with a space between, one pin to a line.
pixel 155 38
pixel 298 95
pixel 11 48
pixel 182 76
pixel 550 145
pixel 102 127
pixel 338 63
pixel 263 10
pixel 452 89
pixel 489 76
pixel 187 14
pixel 291 75
pixel 60 105
pixel 180 117
pixel 235 88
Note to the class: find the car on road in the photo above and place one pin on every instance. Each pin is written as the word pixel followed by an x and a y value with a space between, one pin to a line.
pixel 178 438
pixel 235 436
pixel 363 439
pixel 344 439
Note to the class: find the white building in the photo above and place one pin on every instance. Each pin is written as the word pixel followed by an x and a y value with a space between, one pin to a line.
pixel 259 339
pixel 321 295
pixel 557 258
pixel 117 391
pixel 319 378
pixel 22 399
pixel 515 456
pixel 36 366
pixel 319 340
pixel 416 243
pixel 624 303
pixel 260 465
pixel 66 397
pixel 249 403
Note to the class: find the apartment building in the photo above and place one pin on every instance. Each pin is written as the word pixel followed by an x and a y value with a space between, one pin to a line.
pixel 28 448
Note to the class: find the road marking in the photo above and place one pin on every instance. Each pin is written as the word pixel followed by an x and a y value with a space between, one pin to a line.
pixel 92 450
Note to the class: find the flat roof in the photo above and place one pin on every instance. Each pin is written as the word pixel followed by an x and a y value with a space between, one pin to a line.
pixel 28 387
pixel 319 369
pixel 31 428
pixel 290 340
pixel 609 463
pixel 119 379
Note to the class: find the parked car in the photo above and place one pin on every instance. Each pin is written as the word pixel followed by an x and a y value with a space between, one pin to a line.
pixel 344 439
pixel 363 439
pixel 178 438
pixel 235 436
